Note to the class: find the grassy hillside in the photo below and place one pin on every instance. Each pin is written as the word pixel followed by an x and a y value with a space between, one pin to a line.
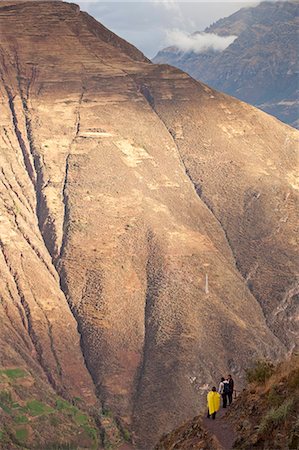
pixel 29 421
pixel 266 414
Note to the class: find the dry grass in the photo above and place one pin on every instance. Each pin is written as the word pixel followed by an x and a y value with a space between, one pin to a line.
pixel 265 413
pixel 260 372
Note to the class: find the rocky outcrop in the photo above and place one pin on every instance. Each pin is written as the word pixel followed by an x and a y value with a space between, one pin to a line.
pixel 116 211
pixel 259 67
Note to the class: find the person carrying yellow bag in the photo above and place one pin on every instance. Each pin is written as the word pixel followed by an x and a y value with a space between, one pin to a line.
pixel 213 399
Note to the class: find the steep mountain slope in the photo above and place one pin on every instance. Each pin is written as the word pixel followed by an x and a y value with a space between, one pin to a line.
pixel 260 67
pixel 264 415
pixel 244 167
pixel 103 155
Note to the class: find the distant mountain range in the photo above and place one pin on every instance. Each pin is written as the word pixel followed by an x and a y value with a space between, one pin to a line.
pixel 259 67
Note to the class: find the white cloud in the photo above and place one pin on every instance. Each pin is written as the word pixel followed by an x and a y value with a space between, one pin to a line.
pixel 199 42
pixel 143 23
pixel 171 7
pixel 168 4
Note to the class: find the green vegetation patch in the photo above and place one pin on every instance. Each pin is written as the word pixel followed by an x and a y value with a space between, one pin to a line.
pixel 92 432
pixel 22 434
pixel 61 405
pixel 260 372
pixel 13 374
pixel 16 405
pixel 81 419
pixel 37 408
pixel 32 415
pixel 5 408
pixel 5 440
pixel 6 402
pixel 126 435
pixel 21 419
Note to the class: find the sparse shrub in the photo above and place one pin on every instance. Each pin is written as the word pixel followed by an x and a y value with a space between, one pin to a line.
pixel 260 372
pixel 21 419
pixel 4 439
pixel 16 405
pixel 61 404
pixel 66 407
pixel 276 416
pixel 54 420
pixel 5 397
pixel 5 401
pixel 126 435
pixel 106 413
pixel 77 401
pixel 107 443
pixel 92 432
pixel 274 397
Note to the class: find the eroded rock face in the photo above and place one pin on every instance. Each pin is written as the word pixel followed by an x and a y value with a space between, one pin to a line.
pixel 38 330
pixel 101 197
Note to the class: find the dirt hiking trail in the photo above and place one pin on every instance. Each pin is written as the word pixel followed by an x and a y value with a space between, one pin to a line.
pixel 221 429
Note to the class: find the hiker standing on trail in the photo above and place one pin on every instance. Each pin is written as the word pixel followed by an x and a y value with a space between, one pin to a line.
pixel 213 399
pixel 224 390
pixel 231 389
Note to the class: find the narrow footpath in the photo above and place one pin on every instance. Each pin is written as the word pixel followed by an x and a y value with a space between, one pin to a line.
pixel 221 429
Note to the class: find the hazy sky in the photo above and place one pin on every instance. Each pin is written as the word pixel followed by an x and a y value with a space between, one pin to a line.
pixel 148 25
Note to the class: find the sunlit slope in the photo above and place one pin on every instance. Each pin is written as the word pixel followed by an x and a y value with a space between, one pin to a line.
pixel 104 222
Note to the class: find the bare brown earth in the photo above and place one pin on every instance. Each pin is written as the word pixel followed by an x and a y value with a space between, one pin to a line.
pixel 221 429
pixel 200 433
pixel 123 185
